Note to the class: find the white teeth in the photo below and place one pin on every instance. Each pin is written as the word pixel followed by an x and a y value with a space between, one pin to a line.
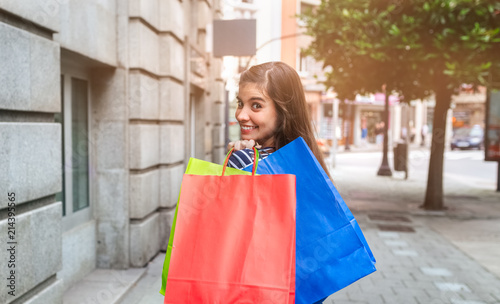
pixel 247 128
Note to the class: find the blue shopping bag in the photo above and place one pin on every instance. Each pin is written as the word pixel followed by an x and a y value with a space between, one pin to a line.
pixel 331 251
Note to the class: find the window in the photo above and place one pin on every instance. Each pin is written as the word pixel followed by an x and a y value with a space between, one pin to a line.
pixel 328 110
pixel 79 143
pixel 302 62
pixel 306 7
pixel 74 117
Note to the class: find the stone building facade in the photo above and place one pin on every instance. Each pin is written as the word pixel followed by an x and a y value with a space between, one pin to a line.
pixel 102 103
pixel 469 107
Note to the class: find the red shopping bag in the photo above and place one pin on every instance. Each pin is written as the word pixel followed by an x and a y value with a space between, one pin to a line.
pixel 234 240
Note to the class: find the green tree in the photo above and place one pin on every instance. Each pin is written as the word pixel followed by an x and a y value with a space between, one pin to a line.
pixel 417 48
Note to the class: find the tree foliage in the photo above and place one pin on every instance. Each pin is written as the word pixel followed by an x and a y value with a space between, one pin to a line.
pixel 418 48
pixel 411 45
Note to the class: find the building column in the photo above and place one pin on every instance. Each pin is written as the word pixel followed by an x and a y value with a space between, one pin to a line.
pixel 357 125
pixel 110 131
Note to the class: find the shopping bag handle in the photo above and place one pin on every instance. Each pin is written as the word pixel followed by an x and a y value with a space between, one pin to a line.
pixel 255 160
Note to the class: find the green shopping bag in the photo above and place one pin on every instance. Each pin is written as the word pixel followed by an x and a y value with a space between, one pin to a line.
pixel 195 167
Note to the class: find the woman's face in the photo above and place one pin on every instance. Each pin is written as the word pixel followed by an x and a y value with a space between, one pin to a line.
pixel 256 114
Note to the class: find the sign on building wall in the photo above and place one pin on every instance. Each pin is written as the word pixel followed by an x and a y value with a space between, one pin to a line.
pixel 492 134
pixel 235 37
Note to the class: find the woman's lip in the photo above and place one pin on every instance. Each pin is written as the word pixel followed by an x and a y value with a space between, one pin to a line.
pixel 247 129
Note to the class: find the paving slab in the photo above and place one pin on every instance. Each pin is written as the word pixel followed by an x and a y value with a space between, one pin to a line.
pixel 103 286
pixel 147 290
pixel 447 257
pixel 441 272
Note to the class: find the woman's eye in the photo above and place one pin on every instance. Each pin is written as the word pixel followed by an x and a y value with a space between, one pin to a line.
pixel 256 105
pixel 239 103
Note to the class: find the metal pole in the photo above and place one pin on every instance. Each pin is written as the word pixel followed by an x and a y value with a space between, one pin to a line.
pixel 498 177
pixel 407 139
pixel 384 169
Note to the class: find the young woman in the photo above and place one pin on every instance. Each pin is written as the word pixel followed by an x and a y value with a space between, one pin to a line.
pixel 272 111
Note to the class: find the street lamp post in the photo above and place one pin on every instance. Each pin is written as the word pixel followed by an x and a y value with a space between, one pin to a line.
pixel 384 169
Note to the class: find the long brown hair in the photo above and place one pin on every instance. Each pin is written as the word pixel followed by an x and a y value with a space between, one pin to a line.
pixel 282 84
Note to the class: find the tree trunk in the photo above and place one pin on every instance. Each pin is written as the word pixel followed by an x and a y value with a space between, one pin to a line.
pixel 384 169
pixel 434 193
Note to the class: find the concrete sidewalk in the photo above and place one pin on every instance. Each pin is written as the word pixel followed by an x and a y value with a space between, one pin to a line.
pixel 450 256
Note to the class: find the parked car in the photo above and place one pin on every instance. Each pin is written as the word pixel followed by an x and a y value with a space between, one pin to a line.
pixel 323 146
pixel 468 138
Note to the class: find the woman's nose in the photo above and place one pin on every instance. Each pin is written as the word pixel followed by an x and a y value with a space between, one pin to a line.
pixel 242 115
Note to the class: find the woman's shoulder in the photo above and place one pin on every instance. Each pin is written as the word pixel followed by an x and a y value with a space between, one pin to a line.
pixel 243 158
pixel 240 159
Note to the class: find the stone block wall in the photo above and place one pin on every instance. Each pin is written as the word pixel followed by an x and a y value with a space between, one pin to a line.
pixel 36 253
pixel 39 13
pixel 143 47
pixel 172 100
pixel 167 67
pixel 141 184
pixel 172 20
pixel 88 28
pixel 30 154
pixel 218 99
pixel 31 160
pixel 144 96
pixel 144 239
pixel 156 120
pixel 171 176
pixel 28 82
pixel 143 61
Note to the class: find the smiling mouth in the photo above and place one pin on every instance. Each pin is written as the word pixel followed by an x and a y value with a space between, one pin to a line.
pixel 248 128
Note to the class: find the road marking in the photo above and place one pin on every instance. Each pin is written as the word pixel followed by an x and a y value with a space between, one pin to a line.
pixel 416 154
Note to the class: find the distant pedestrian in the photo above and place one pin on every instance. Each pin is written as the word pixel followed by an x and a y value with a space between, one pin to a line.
pixel 364 130
pixel 404 133
pixel 379 133
pixel 413 132
pixel 272 112
pixel 424 131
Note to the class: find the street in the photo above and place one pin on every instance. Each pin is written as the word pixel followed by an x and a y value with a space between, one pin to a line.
pixel 463 166
pixel 448 256
pixel 460 162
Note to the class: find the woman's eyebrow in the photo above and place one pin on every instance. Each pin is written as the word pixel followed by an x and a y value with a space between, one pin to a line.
pixel 252 98
pixel 257 98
